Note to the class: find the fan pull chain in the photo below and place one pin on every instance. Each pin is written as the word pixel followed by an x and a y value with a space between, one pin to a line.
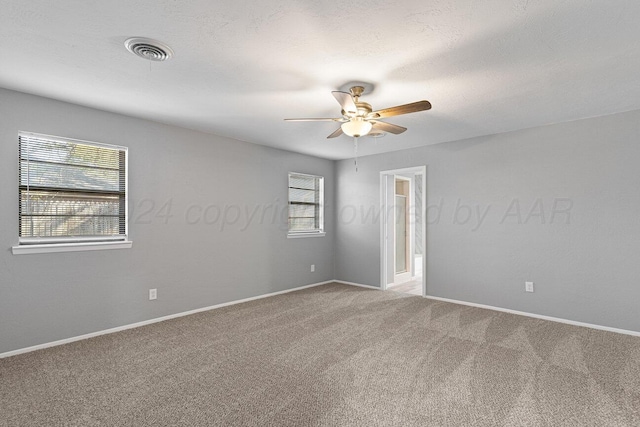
pixel 355 152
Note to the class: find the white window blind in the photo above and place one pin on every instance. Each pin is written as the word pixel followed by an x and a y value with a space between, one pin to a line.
pixel 70 190
pixel 306 194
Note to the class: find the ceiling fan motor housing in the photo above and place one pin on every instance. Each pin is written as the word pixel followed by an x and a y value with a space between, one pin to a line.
pixel 364 109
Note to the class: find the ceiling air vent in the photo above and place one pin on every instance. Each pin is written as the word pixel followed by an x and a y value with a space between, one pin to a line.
pixel 150 49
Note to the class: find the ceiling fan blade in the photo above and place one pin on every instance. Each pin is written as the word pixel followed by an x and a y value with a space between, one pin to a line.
pixel 401 109
pixel 337 119
pixel 346 101
pixel 388 127
pixel 338 132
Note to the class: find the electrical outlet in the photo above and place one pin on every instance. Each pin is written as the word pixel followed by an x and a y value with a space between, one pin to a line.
pixel 153 294
pixel 313 268
pixel 528 286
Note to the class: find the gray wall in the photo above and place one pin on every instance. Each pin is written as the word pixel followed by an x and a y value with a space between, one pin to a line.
pixel 584 263
pixel 47 297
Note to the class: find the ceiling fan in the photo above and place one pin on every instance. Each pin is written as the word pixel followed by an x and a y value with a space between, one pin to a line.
pixel 358 118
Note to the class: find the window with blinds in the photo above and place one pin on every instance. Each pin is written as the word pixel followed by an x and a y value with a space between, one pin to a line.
pixel 70 190
pixel 306 198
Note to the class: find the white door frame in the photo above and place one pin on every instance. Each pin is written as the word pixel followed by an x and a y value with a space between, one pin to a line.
pixel 386 212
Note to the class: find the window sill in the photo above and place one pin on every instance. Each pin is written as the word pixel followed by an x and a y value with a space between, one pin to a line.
pixel 302 235
pixel 69 247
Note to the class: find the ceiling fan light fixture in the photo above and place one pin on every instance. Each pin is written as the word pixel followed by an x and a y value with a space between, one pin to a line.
pixel 356 127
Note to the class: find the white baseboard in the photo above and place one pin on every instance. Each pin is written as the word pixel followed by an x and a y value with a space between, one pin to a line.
pixel 519 313
pixel 225 304
pixel 357 284
pixel 539 316
pixel 150 321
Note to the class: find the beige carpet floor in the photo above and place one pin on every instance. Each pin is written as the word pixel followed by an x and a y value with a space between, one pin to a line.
pixel 333 355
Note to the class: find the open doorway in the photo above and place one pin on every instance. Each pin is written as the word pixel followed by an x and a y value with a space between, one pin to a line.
pixel 403 224
pixel 403 230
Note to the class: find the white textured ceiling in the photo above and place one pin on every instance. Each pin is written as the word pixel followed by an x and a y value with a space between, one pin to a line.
pixel 241 67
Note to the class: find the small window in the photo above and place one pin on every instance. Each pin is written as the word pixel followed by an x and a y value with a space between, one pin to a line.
pixel 71 191
pixel 306 205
